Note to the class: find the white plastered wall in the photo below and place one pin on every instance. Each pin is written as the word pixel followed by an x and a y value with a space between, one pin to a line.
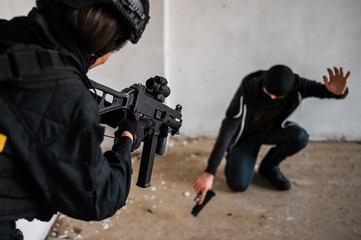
pixel 213 44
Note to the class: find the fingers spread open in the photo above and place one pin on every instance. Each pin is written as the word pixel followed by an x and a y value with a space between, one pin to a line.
pixel 329 70
pixel 325 79
pixel 341 71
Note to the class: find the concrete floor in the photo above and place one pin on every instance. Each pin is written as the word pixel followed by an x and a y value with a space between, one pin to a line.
pixel 323 203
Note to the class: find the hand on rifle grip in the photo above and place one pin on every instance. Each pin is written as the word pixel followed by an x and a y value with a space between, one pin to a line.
pixel 136 128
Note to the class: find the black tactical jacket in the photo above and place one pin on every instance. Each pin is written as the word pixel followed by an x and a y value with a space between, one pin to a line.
pixel 241 111
pixel 52 160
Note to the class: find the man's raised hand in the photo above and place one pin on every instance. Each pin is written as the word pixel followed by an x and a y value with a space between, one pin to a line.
pixel 337 83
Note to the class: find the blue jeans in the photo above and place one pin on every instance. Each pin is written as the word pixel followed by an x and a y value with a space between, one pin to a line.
pixel 241 159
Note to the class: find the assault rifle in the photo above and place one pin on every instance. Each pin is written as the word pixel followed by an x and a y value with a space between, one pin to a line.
pixel 142 102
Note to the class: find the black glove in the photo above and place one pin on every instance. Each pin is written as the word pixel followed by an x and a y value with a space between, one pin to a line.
pixel 136 128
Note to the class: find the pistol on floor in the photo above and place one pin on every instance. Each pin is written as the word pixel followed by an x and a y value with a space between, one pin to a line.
pixel 198 207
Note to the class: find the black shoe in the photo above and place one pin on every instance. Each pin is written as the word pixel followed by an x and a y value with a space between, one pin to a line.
pixel 276 178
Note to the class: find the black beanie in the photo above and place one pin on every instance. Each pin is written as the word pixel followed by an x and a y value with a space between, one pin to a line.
pixel 279 80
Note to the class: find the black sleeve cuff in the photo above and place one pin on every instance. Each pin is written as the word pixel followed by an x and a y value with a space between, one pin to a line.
pixel 212 169
pixel 343 95
pixel 122 144
pixel 121 151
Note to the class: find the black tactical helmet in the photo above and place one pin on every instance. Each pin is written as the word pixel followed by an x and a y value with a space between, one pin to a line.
pixel 135 13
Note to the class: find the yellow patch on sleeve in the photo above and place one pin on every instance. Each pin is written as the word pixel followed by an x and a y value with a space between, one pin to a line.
pixel 2 142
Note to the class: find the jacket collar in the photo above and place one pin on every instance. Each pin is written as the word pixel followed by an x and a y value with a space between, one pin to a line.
pixel 52 33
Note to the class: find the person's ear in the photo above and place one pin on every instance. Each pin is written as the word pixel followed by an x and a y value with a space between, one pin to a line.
pixel 101 60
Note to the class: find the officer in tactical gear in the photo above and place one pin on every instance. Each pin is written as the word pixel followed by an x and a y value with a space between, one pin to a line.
pixel 50 132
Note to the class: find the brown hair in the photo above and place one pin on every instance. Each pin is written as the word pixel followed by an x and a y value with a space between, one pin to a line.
pixel 98 30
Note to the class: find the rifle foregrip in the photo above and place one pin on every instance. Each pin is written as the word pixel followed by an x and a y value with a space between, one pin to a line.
pixel 162 142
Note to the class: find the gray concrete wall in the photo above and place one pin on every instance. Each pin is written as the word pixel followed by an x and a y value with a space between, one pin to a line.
pixel 213 44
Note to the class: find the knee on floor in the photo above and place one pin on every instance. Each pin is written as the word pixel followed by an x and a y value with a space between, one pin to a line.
pixel 238 187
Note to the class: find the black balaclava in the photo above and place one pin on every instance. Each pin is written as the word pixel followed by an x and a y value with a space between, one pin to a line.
pixel 279 80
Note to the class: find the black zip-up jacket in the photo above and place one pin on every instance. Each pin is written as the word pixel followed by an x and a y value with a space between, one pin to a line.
pixel 242 109
pixel 52 160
